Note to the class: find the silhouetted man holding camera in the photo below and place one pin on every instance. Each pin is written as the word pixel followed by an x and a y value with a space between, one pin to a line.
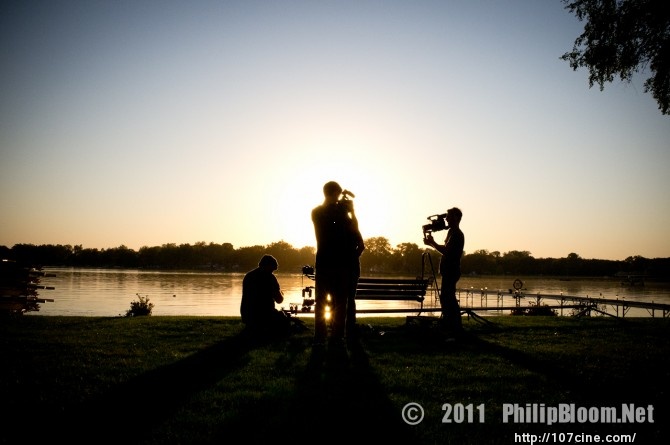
pixel 450 269
pixel 339 245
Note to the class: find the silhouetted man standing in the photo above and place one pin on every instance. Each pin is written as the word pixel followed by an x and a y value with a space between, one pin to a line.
pixel 450 269
pixel 339 245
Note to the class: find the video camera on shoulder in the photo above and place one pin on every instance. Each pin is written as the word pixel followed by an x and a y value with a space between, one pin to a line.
pixel 437 223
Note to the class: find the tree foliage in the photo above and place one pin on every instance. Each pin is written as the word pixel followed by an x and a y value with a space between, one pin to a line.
pixel 621 38
pixel 407 259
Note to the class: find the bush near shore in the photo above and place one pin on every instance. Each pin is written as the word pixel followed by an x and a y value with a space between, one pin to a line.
pixel 200 380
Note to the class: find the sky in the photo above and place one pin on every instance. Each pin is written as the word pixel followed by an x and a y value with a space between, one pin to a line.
pixel 143 123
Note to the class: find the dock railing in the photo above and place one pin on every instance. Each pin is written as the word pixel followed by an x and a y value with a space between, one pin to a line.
pixel 19 284
pixel 498 300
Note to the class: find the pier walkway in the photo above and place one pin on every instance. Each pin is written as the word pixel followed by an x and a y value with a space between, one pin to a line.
pixel 498 300
pixel 485 300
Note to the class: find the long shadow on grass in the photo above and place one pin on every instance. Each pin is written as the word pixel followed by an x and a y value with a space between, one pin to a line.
pixel 555 380
pixel 334 399
pixel 129 411
pixel 559 373
pixel 343 402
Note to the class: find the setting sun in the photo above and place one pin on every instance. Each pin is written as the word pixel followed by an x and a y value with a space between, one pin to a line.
pixel 300 190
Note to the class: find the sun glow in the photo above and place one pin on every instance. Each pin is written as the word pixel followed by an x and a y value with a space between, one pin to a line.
pixel 301 191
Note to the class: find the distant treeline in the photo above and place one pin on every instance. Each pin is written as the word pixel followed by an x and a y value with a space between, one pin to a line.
pixel 379 257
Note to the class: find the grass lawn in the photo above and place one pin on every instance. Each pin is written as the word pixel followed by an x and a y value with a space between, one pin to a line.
pixel 200 380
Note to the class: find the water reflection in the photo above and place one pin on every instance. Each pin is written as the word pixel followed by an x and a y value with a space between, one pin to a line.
pixel 108 292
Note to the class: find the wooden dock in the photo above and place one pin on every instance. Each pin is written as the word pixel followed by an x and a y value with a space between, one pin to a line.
pixel 499 301
pixel 19 284
pixel 615 307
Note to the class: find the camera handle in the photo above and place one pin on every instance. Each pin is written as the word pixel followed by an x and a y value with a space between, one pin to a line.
pixel 346 194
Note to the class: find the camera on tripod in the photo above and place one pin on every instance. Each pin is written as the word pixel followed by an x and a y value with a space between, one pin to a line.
pixel 437 223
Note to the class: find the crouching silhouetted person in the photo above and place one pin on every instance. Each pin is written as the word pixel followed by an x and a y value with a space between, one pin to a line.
pixel 260 292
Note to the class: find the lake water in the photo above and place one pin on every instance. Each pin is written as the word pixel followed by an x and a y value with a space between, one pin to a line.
pixel 109 292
